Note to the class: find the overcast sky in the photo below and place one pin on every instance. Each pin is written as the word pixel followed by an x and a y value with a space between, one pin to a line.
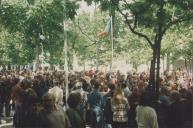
pixel 85 8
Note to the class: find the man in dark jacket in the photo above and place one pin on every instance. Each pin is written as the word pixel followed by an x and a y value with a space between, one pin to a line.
pixel 174 114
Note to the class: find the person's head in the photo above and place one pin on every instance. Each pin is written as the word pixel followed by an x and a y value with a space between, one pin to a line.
pixel 25 84
pixel 118 96
pixel 111 86
pixel 189 95
pixel 78 85
pixel 74 100
pixel 55 82
pixel 16 80
pixel 146 99
pixel 34 104
pixel 96 85
pixel 175 96
pixel 49 101
pixel 183 92
pixel 135 91
pixel 164 90
pixel 123 84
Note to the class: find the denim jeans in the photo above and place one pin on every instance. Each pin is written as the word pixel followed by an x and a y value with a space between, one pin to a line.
pixel 96 117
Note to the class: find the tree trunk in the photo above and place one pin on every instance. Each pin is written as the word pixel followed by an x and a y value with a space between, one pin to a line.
pixel 185 63
pixel 158 67
pixel 167 61
pixel 152 70
pixel 163 63
pixel 155 67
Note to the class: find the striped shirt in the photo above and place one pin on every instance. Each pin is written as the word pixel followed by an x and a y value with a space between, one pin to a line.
pixel 120 111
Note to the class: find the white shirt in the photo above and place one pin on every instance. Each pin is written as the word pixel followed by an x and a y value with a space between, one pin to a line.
pixel 146 117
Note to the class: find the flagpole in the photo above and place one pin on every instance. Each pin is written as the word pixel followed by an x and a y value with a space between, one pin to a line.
pixel 65 55
pixel 97 55
pixel 112 44
pixel 66 61
pixel 97 44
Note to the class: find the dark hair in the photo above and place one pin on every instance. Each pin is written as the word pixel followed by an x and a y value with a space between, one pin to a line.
pixel 189 95
pixel 175 96
pixel 25 84
pixel 111 86
pixel 93 81
pixel 96 85
pixel 16 80
pixel 146 99
pixel 123 84
pixel 73 100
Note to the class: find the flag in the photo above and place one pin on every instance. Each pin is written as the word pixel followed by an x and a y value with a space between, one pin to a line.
pixel 107 29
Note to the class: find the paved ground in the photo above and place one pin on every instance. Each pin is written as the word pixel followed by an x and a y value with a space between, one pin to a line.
pixel 6 122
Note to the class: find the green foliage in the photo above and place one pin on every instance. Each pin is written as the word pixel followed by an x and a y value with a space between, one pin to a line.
pixel 22 23
pixel 12 17
pixel 31 1
pixel 12 49
pixel 70 8
pixel 31 20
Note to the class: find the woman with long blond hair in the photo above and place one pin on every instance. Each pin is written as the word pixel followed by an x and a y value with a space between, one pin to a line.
pixel 120 107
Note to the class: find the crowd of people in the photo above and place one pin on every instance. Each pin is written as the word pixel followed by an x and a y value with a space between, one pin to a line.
pixel 96 99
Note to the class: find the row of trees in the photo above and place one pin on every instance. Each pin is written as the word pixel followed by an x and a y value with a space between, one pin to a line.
pixel 24 22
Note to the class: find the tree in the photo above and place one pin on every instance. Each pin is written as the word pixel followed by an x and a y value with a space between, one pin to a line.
pixel 157 16
pixel 33 18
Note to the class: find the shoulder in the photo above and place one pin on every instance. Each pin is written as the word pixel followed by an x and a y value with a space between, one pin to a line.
pixel 125 100
pixel 70 112
pixel 149 110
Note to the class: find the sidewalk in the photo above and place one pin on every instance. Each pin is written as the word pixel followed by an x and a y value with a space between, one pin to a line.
pixel 6 122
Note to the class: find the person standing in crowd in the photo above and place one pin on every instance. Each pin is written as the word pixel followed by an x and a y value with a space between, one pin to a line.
pixel 57 91
pixel 5 96
pixel 146 116
pixel 32 118
pixel 174 113
pixel 73 111
pixel 53 115
pixel 2 94
pixel 81 87
pixel 39 86
pixel 163 96
pixel 125 89
pixel 95 103
pixel 133 100
pixel 108 114
pixel 187 102
pixel 120 107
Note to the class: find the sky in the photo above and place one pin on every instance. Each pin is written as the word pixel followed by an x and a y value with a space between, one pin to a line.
pixel 85 8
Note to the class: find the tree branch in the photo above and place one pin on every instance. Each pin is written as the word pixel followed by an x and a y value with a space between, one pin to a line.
pixel 78 25
pixel 135 23
pixel 179 20
pixel 90 45
pixel 92 40
pixel 133 29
